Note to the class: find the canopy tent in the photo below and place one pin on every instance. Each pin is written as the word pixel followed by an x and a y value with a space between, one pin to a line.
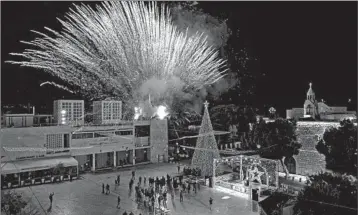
pixel 34 165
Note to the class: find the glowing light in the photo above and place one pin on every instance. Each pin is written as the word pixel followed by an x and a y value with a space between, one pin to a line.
pixel 115 49
pixel 137 112
pixel 63 118
pixel 162 112
pixel 63 112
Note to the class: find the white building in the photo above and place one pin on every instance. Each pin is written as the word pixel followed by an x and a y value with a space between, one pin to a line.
pixel 68 112
pixel 107 112
pixel 319 110
pixel 30 153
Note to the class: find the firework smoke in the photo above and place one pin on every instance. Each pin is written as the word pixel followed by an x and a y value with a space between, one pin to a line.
pixel 126 50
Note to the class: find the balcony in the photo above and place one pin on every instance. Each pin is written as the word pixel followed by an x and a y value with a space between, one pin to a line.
pixel 141 141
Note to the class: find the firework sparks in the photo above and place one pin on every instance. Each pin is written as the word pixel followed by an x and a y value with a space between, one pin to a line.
pixel 56 85
pixel 117 48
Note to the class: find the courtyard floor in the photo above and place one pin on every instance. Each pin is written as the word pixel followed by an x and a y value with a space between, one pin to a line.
pixel 84 196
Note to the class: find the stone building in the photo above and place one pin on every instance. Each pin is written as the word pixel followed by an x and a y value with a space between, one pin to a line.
pixel 319 110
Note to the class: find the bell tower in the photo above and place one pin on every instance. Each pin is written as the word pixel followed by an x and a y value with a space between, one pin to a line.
pixel 310 105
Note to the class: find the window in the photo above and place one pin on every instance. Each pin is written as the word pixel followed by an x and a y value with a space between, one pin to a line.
pixel 116 110
pixel 67 106
pixel 54 141
pixel 142 131
pixel 77 111
pixel 103 134
pixel 309 109
pixel 124 132
pixel 106 111
pixel 82 135
pixel 66 141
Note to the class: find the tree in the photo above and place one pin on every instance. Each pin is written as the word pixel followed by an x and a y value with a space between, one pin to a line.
pixel 277 140
pixel 339 145
pixel 13 203
pixel 231 114
pixel 206 148
pixel 328 194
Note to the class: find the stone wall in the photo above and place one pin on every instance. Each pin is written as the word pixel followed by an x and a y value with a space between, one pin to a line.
pixel 158 140
pixel 309 161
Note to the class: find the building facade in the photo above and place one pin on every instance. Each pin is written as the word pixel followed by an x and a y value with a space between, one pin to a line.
pixel 35 150
pixel 319 110
pixel 68 112
pixel 107 112
pixel 308 161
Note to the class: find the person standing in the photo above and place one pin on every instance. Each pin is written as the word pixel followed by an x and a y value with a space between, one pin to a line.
pixel 145 181
pixel 178 168
pixel 118 179
pixel 118 202
pixel 189 187
pixel 211 202
pixel 181 195
pixel 51 198
pixel 102 187
pixel 107 188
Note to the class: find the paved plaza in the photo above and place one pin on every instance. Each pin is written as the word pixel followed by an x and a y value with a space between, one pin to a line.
pixel 84 196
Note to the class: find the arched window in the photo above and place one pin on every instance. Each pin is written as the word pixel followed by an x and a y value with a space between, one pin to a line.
pixel 290 163
pixel 309 110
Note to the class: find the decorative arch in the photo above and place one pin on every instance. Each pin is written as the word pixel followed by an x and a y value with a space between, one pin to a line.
pixel 291 164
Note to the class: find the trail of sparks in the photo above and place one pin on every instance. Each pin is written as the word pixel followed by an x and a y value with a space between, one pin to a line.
pixel 116 48
pixel 56 85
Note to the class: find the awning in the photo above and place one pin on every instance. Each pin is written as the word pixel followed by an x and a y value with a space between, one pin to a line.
pixel 34 165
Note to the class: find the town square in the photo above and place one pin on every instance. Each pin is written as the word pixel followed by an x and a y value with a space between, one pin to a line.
pixel 182 108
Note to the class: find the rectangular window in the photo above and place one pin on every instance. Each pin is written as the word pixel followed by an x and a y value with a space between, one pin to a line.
pixel 124 132
pixel 66 141
pixel 116 110
pixel 77 111
pixel 82 135
pixel 106 111
pixel 142 131
pixel 103 134
pixel 54 141
pixel 66 106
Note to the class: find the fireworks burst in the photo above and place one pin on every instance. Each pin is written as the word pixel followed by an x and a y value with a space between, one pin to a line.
pixel 119 47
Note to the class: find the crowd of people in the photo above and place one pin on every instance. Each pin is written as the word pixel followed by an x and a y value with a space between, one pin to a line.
pixel 152 193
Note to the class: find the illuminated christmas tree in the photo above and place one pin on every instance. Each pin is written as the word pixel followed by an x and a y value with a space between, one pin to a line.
pixel 206 148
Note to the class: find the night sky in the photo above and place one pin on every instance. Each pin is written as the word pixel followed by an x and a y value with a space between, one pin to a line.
pixel 296 43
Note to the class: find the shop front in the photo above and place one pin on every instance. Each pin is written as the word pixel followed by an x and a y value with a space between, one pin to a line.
pixel 30 172
pixel 142 155
pixel 104 160
pixel 124 158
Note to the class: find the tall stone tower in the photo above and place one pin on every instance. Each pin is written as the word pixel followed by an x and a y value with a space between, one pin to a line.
pixel 159 140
